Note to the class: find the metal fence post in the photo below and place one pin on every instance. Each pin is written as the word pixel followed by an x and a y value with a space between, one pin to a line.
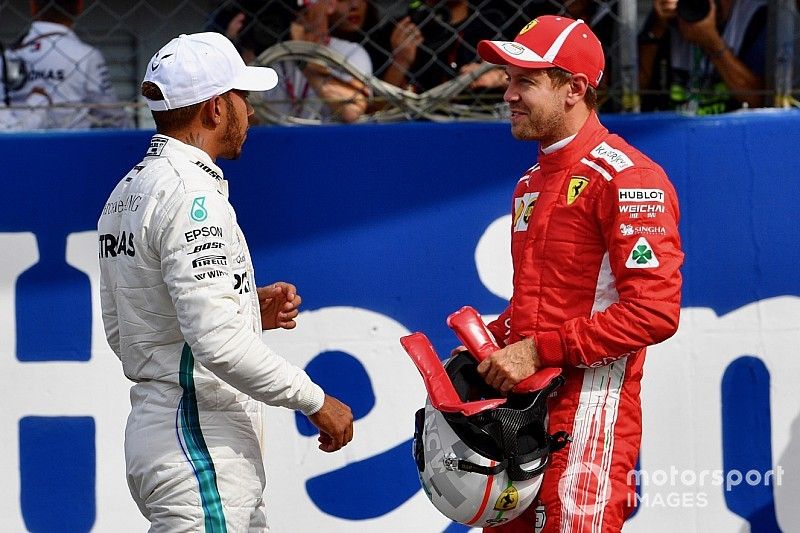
pixel 629 56
pixel 784 26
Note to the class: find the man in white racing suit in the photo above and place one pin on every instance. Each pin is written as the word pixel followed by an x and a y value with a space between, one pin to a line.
pixel 70 76
pixel 181 309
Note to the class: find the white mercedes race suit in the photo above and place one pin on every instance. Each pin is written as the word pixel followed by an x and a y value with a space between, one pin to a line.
pixel 181 311
pixel 71 74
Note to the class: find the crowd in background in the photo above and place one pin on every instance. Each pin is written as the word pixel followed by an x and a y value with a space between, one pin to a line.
pixel 695 56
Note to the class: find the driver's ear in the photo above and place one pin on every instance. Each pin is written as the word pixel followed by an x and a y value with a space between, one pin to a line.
pixel 211 112
pixel 578 86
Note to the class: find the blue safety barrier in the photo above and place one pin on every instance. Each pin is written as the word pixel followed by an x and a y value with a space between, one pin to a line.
pixel 386 218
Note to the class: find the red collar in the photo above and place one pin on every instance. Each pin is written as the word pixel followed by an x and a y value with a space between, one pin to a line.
pixel 589 136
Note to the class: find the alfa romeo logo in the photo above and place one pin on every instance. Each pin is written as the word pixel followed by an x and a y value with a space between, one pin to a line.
pixel 642 254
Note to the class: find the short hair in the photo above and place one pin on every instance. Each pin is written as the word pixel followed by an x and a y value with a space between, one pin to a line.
pixel 561 77
pixel 171 119
pixel 56 10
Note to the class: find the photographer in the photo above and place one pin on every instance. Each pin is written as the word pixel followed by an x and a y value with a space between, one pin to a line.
pixel 703 56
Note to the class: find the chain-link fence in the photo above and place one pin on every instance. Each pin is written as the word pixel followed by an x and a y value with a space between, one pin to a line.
pixel 380 60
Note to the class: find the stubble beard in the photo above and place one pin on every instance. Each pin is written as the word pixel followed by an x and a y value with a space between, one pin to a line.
pixel 541 125
pixel 234 136
pixel 538 127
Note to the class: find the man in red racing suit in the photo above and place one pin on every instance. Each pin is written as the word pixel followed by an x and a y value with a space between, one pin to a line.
pixel 596 255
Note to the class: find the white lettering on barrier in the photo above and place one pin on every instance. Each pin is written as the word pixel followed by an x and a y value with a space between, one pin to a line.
pixel 493 258
pixel 681 396
pixel 95 388
pixel 73 389
pixel 682 383
pixel 16 389
pixel 101 381
pixel 292 459
pixel 681 415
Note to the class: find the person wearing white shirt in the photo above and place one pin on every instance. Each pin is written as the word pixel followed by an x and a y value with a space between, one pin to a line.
pixel 71 75
pixel 313 92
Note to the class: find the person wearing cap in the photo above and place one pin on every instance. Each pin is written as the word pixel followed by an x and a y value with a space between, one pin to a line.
pixel 596 255
pixel 181 309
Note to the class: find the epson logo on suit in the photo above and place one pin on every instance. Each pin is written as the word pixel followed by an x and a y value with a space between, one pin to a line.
pixel 205 231
pixel 641 195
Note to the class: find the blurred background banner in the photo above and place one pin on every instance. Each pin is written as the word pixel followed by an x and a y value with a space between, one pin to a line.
pixel 397 45
pixel 386 229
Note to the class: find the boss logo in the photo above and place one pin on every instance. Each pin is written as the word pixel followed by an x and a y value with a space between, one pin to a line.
pixel 214 245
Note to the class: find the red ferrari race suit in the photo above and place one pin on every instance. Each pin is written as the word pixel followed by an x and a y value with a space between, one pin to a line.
pixel 596 255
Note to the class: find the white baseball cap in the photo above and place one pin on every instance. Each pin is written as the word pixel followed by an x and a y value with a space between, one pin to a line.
pixel 194 68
